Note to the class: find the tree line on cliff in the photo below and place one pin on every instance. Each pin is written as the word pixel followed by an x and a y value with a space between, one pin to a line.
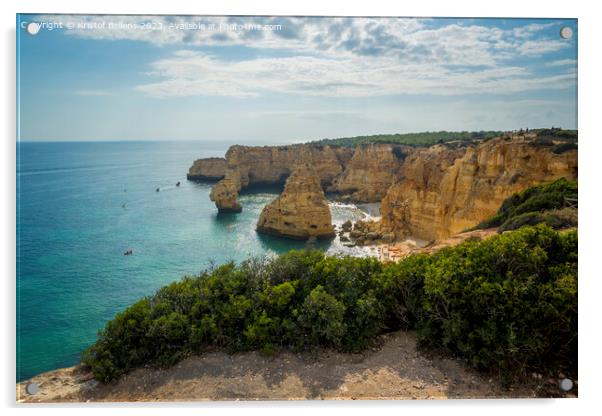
pixel 423 139
pixel 507 305
pixel 429 138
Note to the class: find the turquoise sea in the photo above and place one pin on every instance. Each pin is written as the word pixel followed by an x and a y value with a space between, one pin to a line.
pixel 81 205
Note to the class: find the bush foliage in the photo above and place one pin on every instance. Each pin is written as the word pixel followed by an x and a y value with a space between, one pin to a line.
pixel 549 203
pixel 557 133
pixel 424 139
pixel 507 304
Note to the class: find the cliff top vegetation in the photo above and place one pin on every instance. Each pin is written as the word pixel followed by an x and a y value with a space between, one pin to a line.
pixel 428 138
pixel 507 305
pixel 554 204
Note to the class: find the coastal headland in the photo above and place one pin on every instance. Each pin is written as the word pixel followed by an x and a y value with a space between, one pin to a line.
pixel 428 193
pixel 461 195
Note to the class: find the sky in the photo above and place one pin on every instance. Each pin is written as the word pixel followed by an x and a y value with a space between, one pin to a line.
pixel 288 79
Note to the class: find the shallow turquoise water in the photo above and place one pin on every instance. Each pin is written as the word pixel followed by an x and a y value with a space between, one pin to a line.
pixel 72 230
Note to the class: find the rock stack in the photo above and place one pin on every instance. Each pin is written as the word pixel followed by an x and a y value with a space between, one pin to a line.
pixel 225 193
pixel 301 211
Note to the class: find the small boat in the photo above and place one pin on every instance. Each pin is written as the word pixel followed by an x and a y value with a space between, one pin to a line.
pixel 178 184
pixel 128 252
pixel 158 189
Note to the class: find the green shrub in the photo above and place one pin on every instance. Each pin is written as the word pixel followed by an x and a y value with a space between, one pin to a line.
pixel 123 344
pixel 545 137
pixel 423 139
pixel 506 304
pixel 528 206
pixel 321 318
pixel 402 290
pixel 564 147
pixel 558 134
pixel 563 218
pixel 352 281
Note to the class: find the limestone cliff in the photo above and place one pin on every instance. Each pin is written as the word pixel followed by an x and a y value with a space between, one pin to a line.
pixel 211 169
pixel 371 171
pixel 266 165
pixel 259 165
pixel 445 190
pixel 225 193
pixel 301 211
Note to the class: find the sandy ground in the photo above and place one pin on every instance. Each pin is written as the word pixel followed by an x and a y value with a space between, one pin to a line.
pixel 396 370
pixel 401 249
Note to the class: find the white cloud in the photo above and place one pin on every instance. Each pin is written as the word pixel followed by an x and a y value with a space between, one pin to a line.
pixel 541 47
pixel 529 30
pixel 348 57
pixel 562 62
pixel 191 74
pixel 407 39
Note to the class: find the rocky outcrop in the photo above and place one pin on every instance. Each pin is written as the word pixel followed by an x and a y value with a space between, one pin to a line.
pixel 246 166
pixel 273 164
pixel 359 175
pixel 301 211
pixel 371 171
pixel 209 169
pixel 445 190
pixel 268 165
pixel 430 193
pixel 225 193
pixel 408 247
pixel 364 233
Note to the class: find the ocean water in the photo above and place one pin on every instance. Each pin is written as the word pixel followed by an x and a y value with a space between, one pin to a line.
pixel 81 205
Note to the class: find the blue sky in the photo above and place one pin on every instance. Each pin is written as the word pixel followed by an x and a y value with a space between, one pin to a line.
pixel 283 79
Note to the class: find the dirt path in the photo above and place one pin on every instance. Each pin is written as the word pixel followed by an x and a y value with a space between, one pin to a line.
pixel 397 370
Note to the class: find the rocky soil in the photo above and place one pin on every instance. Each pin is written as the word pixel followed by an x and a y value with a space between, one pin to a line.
pixel 396 370
pixel 409 246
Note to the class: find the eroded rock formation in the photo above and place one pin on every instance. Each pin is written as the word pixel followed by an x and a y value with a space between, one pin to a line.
pixel 225 193
pixel 209 169
pixel 273 164
pixel 445 191
pixel 430 193
pixel 268 165
pixel 371 171
pixel 301 211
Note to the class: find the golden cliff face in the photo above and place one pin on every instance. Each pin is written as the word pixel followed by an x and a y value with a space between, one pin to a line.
pixel 429 193
pixel 257 165
pixel 211 169
pixel 364 174
pixel 301 211
pixel 225 193
pixel 371 171
pixel 445 191
pixel 273 164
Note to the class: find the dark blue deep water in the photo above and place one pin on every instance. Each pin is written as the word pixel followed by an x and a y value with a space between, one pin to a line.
pixel 72 230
